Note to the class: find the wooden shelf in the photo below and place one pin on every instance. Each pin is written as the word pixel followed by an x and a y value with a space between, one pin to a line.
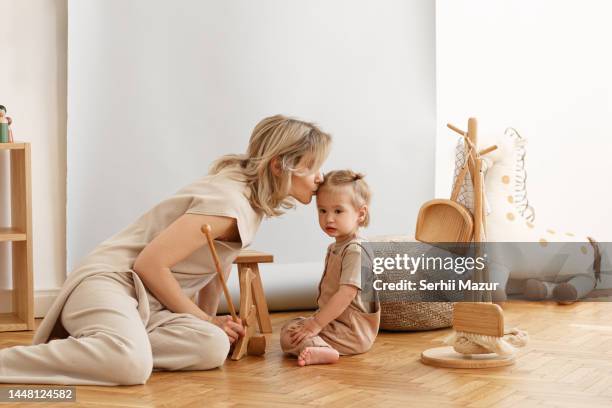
pixel 12 146
pixel 12 234
pixel 19 233
pixel 11 322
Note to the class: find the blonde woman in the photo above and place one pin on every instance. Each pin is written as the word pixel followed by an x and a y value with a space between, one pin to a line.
pixel 126 309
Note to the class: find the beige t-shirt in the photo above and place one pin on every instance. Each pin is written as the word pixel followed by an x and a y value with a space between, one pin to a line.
pixel 223 194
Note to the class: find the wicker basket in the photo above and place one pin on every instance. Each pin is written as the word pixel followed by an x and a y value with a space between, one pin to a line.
pixel 413 316
pixel 404 313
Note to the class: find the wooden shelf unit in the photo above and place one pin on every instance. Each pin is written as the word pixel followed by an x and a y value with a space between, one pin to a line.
pixel 19 233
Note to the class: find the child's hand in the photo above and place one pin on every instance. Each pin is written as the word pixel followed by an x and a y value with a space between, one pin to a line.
pixel 308 329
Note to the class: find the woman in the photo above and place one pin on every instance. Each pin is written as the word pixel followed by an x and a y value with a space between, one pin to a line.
pixel 127 307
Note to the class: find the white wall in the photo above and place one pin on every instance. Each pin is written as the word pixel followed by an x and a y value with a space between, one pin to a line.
pixel 150 84
pixel 33 88
pixel 156 93
pixel 542 67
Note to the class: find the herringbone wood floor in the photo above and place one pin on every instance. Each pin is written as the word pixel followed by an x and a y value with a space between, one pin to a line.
pixel 568 363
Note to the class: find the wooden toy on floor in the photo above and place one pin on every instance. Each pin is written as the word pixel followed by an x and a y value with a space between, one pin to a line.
pixel 249 343
pixel 478 341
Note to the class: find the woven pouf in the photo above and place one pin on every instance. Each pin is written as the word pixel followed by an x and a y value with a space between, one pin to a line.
pixel 410 311
pixel 413 316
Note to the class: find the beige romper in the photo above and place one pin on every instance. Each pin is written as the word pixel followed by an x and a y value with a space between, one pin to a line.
pixel 108 328
pixel 354 331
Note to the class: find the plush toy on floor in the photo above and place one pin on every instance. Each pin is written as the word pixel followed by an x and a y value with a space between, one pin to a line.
pixel 566 266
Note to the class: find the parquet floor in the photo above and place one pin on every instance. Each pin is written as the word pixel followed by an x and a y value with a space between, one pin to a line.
pixel 568 363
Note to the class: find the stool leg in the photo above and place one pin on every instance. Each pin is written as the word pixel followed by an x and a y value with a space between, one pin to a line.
pixel 263 316
pixel 246 310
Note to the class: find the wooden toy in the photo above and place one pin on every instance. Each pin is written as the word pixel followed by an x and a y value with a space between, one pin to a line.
pixel 249 343
pixel 9 122
pixel 10 131
pixel 4 126
pixel 478 341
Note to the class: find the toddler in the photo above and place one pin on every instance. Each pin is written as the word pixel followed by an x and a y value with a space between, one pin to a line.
pixel 345 323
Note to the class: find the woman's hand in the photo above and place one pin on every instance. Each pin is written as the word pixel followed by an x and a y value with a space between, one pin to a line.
pixel 233 330
pixel 309 328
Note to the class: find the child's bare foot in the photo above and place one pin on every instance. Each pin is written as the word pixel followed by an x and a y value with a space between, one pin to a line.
pixel 317 355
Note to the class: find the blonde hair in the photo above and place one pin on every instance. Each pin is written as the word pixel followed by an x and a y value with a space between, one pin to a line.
pixel 289 140
pixel 361 193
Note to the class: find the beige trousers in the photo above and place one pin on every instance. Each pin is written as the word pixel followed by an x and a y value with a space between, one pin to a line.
pixel 109 343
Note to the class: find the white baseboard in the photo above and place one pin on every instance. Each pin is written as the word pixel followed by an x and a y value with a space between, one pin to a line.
pixel 42 300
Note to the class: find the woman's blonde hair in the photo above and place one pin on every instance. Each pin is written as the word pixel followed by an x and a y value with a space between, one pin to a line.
pixel 361 193
pixel 289 140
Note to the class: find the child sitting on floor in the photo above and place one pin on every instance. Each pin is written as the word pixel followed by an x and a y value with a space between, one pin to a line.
pixel 346 323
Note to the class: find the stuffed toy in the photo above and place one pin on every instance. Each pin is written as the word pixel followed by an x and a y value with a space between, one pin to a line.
pixel 542 262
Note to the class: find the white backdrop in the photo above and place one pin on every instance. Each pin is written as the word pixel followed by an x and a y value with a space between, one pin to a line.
pixel 542 67
pixel 156 93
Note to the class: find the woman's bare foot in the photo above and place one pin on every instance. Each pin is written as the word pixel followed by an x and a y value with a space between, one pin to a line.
pixel 317 355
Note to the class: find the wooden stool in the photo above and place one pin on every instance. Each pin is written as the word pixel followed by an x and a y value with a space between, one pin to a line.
pixel 249 259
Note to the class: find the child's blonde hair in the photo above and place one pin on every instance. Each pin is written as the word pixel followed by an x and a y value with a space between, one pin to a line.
pixel 361 193
pixel 287 139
